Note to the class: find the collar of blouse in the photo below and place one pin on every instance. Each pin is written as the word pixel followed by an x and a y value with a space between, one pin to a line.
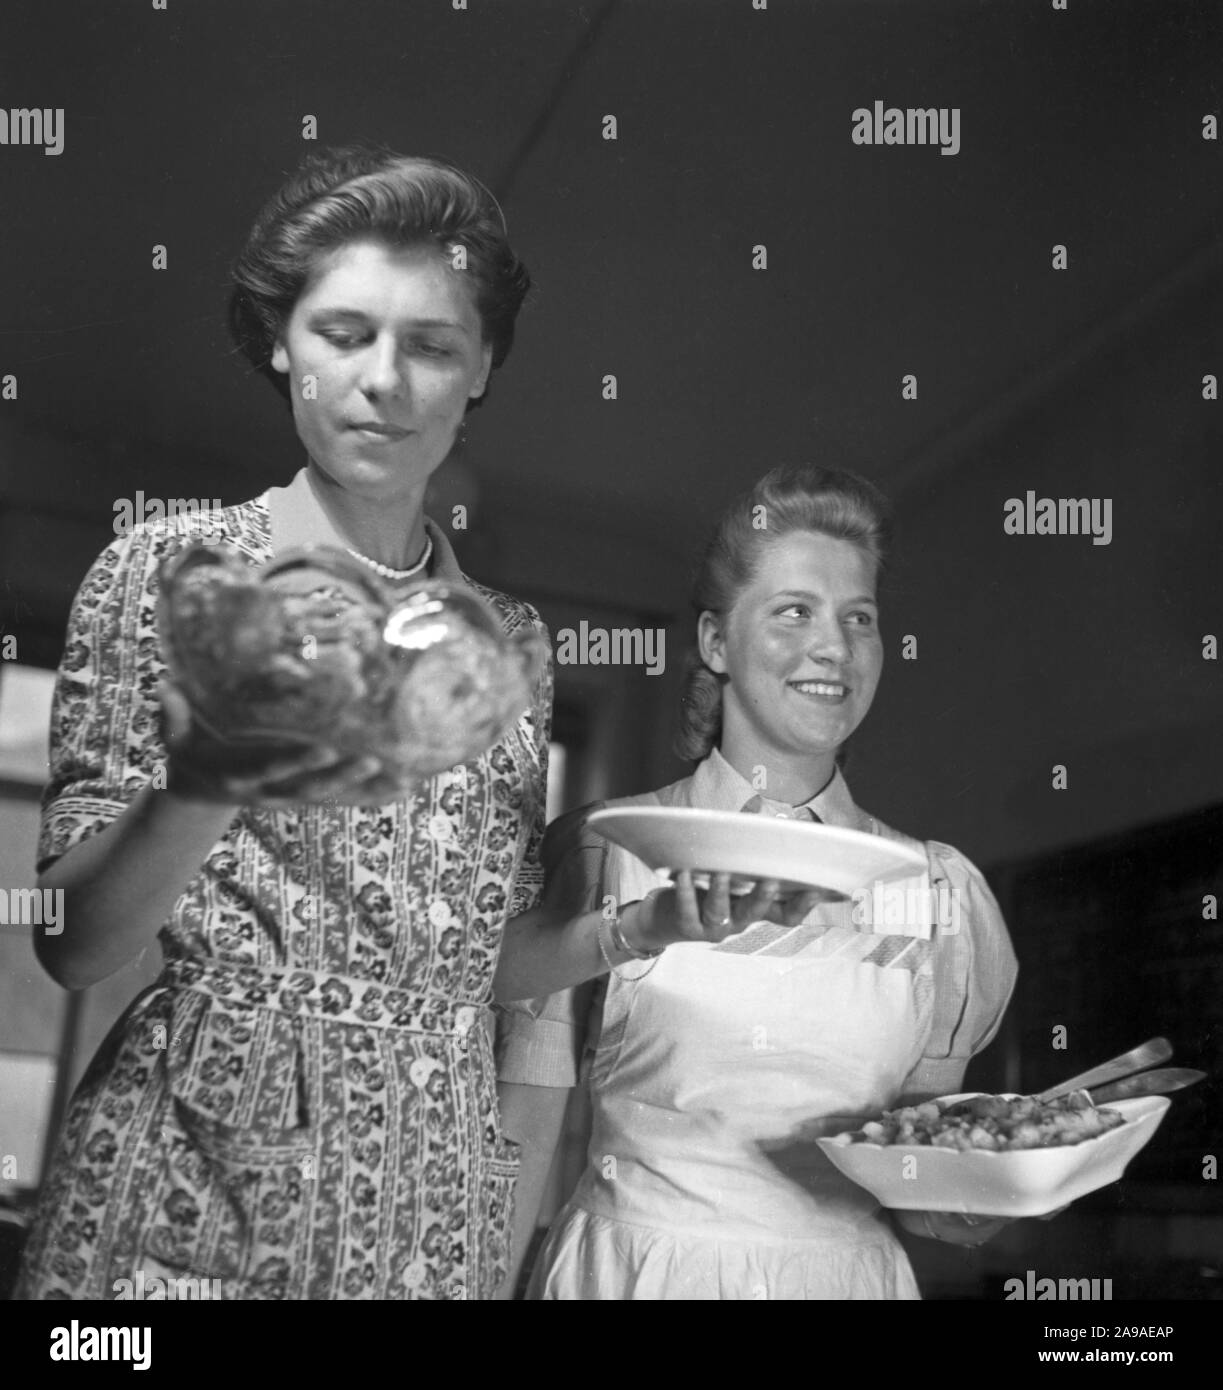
pixel 717 786
pixel 296 518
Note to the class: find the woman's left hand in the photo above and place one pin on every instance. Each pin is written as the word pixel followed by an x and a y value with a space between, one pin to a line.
pixel 684 912
pixel 959 1228
pixel 766 902
pixel 953 1227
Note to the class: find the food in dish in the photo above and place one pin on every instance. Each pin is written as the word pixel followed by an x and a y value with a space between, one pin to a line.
pixel 998 1123
pixel 455 698
pixel 261 662
pixel 918 1176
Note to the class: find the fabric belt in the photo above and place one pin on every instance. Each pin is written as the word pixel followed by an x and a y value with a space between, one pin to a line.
pixel 338 998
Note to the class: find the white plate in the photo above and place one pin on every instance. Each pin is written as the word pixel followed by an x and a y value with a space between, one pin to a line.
pixel 798 853
pixel 1022 1182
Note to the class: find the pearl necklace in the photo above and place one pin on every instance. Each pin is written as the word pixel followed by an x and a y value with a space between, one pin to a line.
pixel 386 571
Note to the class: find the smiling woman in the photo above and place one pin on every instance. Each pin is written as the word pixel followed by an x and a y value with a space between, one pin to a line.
pixel 714 1065
pixel 798 652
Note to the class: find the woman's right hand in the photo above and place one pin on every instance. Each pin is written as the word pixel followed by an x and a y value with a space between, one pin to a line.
pixel 203 768
pixel 683 912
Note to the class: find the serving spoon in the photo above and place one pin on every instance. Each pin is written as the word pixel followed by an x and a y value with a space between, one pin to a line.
pixel 1150 1083
pixel 1137 1059
pixel 1147 1054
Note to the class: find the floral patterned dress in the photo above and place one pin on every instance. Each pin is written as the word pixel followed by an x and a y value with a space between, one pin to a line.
pixel 303 1105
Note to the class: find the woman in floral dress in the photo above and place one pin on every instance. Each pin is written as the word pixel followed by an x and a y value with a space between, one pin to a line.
pixel 303 1105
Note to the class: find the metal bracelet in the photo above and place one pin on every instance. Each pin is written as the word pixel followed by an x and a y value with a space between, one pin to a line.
pixel 615 970
pixel 625 946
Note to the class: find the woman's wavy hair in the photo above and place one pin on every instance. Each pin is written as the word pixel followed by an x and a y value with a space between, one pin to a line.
pixel 363 192
pixel 787 499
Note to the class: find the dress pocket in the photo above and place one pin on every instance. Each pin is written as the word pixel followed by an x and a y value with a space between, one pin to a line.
pixel 231 1206
pixel 239 1151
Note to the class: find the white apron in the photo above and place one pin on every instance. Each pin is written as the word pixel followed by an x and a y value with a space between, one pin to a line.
pixel 712 1074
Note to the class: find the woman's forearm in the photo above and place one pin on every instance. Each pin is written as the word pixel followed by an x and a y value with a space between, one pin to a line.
pixel 546 949
pixel 543 951
pixel 121 884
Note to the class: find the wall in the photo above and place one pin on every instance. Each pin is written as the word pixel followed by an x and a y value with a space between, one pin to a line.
pixel 1043 650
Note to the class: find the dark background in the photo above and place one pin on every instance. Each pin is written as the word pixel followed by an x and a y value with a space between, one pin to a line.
pixel 1081 127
